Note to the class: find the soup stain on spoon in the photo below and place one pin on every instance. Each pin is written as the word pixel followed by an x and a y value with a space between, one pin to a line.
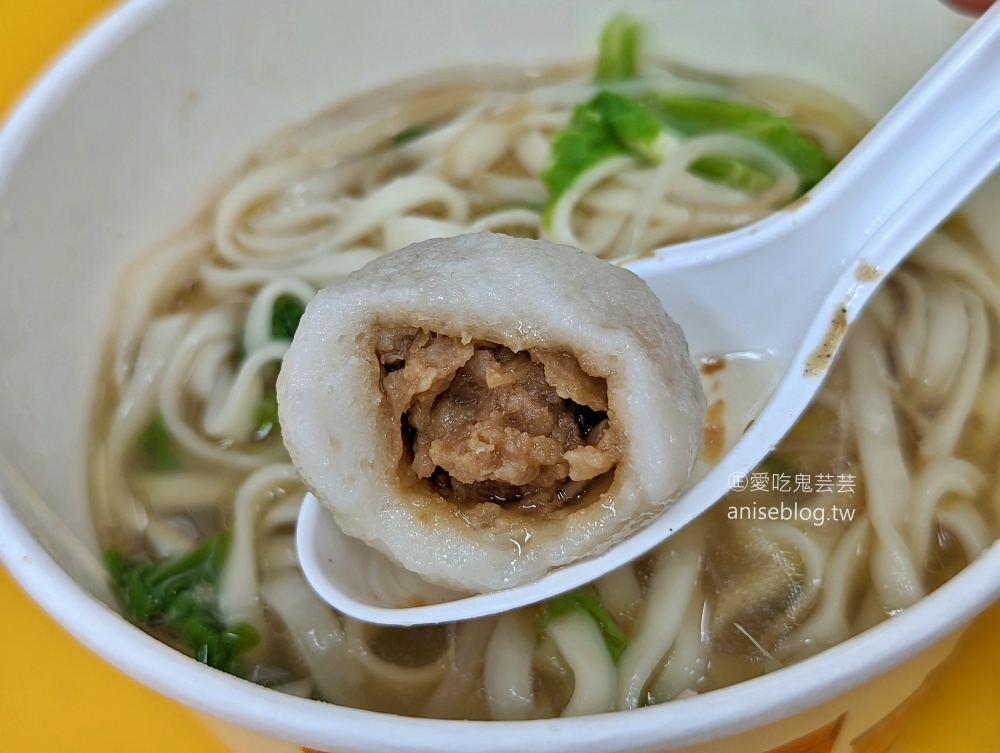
pixel 738 386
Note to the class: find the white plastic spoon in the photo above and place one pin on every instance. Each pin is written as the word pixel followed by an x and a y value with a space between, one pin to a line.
pixel 790 286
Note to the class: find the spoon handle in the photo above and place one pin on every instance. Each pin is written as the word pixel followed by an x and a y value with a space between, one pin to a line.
pixel 946 121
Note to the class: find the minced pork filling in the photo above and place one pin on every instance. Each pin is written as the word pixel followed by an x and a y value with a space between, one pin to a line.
pixel 486 424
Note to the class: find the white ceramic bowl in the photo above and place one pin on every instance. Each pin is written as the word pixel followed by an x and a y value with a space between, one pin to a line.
pixel 134 129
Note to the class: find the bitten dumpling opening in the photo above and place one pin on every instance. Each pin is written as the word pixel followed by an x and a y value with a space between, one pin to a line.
pixel 483 425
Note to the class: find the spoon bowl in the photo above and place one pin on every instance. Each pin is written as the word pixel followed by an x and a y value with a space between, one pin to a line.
pixel 790 286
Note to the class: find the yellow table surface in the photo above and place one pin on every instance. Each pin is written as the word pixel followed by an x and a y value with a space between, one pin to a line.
pixel 57 696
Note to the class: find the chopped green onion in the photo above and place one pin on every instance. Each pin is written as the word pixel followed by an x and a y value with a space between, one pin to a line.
pixel 285 316
pixel 620 43
pixel 609 125
pixel 180 597
pixel 157 448
pixel 265 416
pixel 410 134
pixel 733 172
pixel 690 116
pixel 587 600
pixel 648 126
pixel 631 124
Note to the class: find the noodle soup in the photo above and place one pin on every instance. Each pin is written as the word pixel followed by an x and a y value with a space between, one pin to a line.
pixel 891 462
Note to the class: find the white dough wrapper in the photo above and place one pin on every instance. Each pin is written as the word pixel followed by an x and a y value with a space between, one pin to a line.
pixel 523 294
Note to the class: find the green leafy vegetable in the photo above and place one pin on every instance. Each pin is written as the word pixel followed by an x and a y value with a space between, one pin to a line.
pixel 587 600
pixel 180 597
pixel 285 316
pixel 733 172
pixel 410 134
pixel 609 125
pixel 689 116
pixel 157 448
pixel 618 57
pixel 585 142
pixel 265 412
pixel 265 415
pixel 631 124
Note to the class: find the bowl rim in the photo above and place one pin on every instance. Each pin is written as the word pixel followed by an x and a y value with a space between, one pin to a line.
pixel 713 715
